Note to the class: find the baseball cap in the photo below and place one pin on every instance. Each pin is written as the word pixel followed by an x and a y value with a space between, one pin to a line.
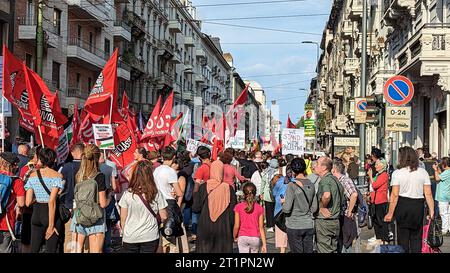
pixel 10 158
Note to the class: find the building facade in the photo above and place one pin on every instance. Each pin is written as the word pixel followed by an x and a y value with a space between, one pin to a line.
pixel 160 42
pixel 409 38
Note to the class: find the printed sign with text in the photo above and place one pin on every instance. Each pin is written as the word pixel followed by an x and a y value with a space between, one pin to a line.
pixel 103 135
pixel 293 141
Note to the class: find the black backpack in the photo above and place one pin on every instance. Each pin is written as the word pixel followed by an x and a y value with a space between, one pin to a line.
pixel 189 191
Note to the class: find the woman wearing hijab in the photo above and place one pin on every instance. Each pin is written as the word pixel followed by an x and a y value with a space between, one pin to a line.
pixel 266 193
pixel 379 197
pixel 215 202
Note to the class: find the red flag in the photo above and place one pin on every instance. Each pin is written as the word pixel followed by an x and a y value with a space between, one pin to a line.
pixel 125 103
pixel 236 112
pixel 165 118
pixel 219 137
pixel 102 100
pixel 171 137
pixel 149 130
pixel 50 119
pixel 75 126
pixel 86 133
pixel 126 144
pixel 14 88
pixel 290 124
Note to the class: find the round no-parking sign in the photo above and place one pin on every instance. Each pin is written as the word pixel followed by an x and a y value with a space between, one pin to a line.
pixel 398 90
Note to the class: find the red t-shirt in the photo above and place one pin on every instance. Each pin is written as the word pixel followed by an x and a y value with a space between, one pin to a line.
pixel 229 173
pixel 249 222
pixel 17 191
pixel 380 186
pixel 202 172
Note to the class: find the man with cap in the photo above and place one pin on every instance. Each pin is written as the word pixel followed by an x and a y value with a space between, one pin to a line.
pixel 16 195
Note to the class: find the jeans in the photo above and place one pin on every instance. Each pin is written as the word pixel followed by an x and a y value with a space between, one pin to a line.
pixel 300 240
pixel 195 217
pixel 147 247
pixel 187 215
pixel 444 212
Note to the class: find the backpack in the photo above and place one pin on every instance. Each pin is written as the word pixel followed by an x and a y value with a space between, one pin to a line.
pixel 5 191
pixel 361 208
pixel 188 193
pixel 88 210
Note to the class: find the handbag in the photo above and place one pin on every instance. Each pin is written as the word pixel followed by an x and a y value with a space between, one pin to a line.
pixel 435 238
pixel 426 248
pixel 64 212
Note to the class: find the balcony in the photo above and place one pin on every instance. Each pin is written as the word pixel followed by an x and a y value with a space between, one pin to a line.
pixel 122 30
pixel 174 26
pixel 176 57
pixel 86 54
pixel 347 29
pixel 188 95
pixel 123 70
pixel 351 65
pixel 356 10
pixel 76 92
pixel 396 9
pixel 200 53
pixel 199 78
pixel 137 67
pixel 165 50
pixel 136 22
pixel 27 32
pixel 189 41
pixel 188 68
pixel 164 80
pixel 95 11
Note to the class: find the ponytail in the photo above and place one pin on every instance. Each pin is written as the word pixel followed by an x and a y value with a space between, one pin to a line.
pixel 249 190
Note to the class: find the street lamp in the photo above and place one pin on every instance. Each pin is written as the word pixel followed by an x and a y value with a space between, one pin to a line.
pixel 316 100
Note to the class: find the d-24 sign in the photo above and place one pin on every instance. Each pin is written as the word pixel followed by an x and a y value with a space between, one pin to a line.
pixel 398 119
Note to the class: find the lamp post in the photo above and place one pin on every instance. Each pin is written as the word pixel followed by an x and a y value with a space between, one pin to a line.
pixel 316 97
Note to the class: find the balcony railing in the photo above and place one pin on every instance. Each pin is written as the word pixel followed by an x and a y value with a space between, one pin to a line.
pixel 75 41
pixel 27 21
pixel 122 23
pixel 76 92
pixel 124 65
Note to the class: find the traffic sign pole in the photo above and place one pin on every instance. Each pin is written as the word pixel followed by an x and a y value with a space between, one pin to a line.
pixel 362 126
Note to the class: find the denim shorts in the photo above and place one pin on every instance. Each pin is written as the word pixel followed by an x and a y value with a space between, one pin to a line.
pixel 98 227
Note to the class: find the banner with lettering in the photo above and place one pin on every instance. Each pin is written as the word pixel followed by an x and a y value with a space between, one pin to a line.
pixel 293 141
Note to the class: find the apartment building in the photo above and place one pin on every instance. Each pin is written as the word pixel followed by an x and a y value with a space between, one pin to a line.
pixel 160 42
pixel 408 38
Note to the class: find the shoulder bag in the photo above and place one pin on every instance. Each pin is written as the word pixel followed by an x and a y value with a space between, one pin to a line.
pixel 64 212
pixel 280 218
pixel 156 215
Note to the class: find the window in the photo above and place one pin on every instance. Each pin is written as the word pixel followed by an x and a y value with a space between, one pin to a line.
pixel 79 32
pixel 57 21
pixel 89 83
pixel 78 80
pixel 30 12
pixel 91 41
pixel 55 74
pixel 107 48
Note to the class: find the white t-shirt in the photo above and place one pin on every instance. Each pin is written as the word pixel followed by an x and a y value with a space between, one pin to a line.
pixel 140 226
pixel 411 183
pixel 257 180
pixel 165 176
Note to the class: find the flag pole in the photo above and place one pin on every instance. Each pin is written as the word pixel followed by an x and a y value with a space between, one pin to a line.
pixel 40 135
pixel 110 110
pixel 3 122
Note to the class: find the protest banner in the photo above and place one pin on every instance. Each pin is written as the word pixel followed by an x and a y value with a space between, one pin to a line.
pixel 192 145
pixel 293 141
pixel 103 135
pixel 236 142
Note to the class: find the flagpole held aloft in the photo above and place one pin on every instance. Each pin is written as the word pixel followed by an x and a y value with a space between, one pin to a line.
pixel 40 135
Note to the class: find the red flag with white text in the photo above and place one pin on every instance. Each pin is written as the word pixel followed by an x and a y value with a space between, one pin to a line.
pixel 149 130
pixel 126 144
pixel 103 97
pixel 236 112
pixel 165 118
pixel 15 88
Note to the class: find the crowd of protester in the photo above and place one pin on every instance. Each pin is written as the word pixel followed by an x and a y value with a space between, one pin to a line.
pixel 162 201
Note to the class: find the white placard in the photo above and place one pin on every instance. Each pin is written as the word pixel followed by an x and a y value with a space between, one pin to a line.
pixel 192 145
pixel 103 135
pixel 293 141
pixel 236 142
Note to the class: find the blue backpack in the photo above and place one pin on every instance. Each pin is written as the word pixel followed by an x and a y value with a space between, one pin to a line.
pixel 5 192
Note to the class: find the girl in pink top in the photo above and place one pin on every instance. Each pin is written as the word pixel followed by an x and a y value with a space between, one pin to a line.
pixel 229 172
pixel 249 229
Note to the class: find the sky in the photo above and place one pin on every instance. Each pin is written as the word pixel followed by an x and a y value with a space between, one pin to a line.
pixel 254 62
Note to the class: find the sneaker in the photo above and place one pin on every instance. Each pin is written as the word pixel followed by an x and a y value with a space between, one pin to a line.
pixel 270 229
pixel 371 240
pixel 391 236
